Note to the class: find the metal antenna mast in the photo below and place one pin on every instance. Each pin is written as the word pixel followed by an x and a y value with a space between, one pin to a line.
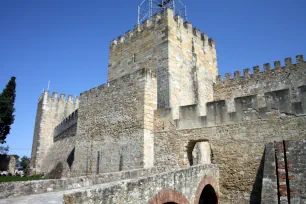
pixel 150 7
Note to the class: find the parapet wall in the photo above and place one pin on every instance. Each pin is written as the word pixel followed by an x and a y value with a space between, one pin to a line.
pixel 159 20
pixel 277 104
pixel 249 97
pixel 290 76
pixel 144 47
pixel 68 122
pixel 22 188
pixel 257 73
pixel 182 186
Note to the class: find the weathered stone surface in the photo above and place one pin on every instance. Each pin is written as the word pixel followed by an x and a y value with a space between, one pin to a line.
pixel 287 158
pixel 162 96
pixel 51 111
pixel 237 149
pixel 187 183
pixel 15 189
pixel 8 163
pixel 115 123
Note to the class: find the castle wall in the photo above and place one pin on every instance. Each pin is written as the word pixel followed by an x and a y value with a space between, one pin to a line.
pixel 243 99
pixel 236 148
pixel 286 77
pixel 247 112
pixel 192 66
pixel 115 123
pixel 184 59
pixel 284 175
pixel 51 111
pixel 8 163
pixel 144 47
pixel 60 156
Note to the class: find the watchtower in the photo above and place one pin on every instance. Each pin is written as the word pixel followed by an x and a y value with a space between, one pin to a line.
pixel 183 57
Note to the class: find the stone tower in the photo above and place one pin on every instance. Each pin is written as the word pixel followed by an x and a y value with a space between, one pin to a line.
pixel 51 111
pixel 184 59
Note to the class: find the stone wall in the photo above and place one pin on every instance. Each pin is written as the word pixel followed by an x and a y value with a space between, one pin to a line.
pixel 67 123
pixel 8 163
pixel 144 47
pixel 184 59
pixel 51 111
pixel 192 66
pixel 237 149
pixel 284 179
pixel 182 186
pixel 16 189
pixel 286 77
pixel 115 123
pixel 60 157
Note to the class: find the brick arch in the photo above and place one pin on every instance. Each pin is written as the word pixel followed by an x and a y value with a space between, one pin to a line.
pixel 168 195
pixel 206 180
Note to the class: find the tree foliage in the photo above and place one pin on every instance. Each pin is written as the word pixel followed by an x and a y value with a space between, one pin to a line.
pixel 4 149
pixel 24 163
pixel 7 100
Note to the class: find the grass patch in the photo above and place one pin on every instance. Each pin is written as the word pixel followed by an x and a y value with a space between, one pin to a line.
pixel 18 178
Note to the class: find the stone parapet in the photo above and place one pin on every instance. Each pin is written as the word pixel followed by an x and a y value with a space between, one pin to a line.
pixel 179 185
pixel 259 74
pixel 246 108
pixel 157 20
pixel 15 189
pixel 66 123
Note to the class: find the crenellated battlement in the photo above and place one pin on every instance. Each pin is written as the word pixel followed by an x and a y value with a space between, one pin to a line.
pixel 197 34
pixel 277 104
pixel 55 97
pixel 66 123
pixel 266 72
pixel 158 21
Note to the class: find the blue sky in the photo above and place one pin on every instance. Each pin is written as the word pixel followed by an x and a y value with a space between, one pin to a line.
pixel 67 42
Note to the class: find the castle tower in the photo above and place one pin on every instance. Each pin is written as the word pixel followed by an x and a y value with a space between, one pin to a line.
pixel 184 59
pixel 51 110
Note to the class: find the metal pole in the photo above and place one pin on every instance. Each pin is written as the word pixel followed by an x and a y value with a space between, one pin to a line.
pixel 185 13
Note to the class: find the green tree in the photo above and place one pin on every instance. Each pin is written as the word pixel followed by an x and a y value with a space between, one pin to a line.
pixel 24 163
pixel 17 161
pixel 7 100
pixel 4 149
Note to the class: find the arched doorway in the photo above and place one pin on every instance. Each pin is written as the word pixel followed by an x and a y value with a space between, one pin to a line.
pixel 169 196
pixel 208 195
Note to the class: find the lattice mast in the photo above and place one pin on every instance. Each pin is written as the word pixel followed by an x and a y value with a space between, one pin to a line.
pixel 150 7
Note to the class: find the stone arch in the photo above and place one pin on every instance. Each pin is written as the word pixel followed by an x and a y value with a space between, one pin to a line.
pixel 206 183
pixel 198 152
pixel 168 196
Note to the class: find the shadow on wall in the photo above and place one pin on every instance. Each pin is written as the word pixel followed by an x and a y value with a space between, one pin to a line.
pixel 56 172
pixel 257 186
pixel 70 158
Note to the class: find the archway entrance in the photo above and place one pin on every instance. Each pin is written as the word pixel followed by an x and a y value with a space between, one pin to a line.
pixel 208 195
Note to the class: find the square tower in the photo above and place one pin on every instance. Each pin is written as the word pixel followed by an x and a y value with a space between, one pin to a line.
pixel 184 59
